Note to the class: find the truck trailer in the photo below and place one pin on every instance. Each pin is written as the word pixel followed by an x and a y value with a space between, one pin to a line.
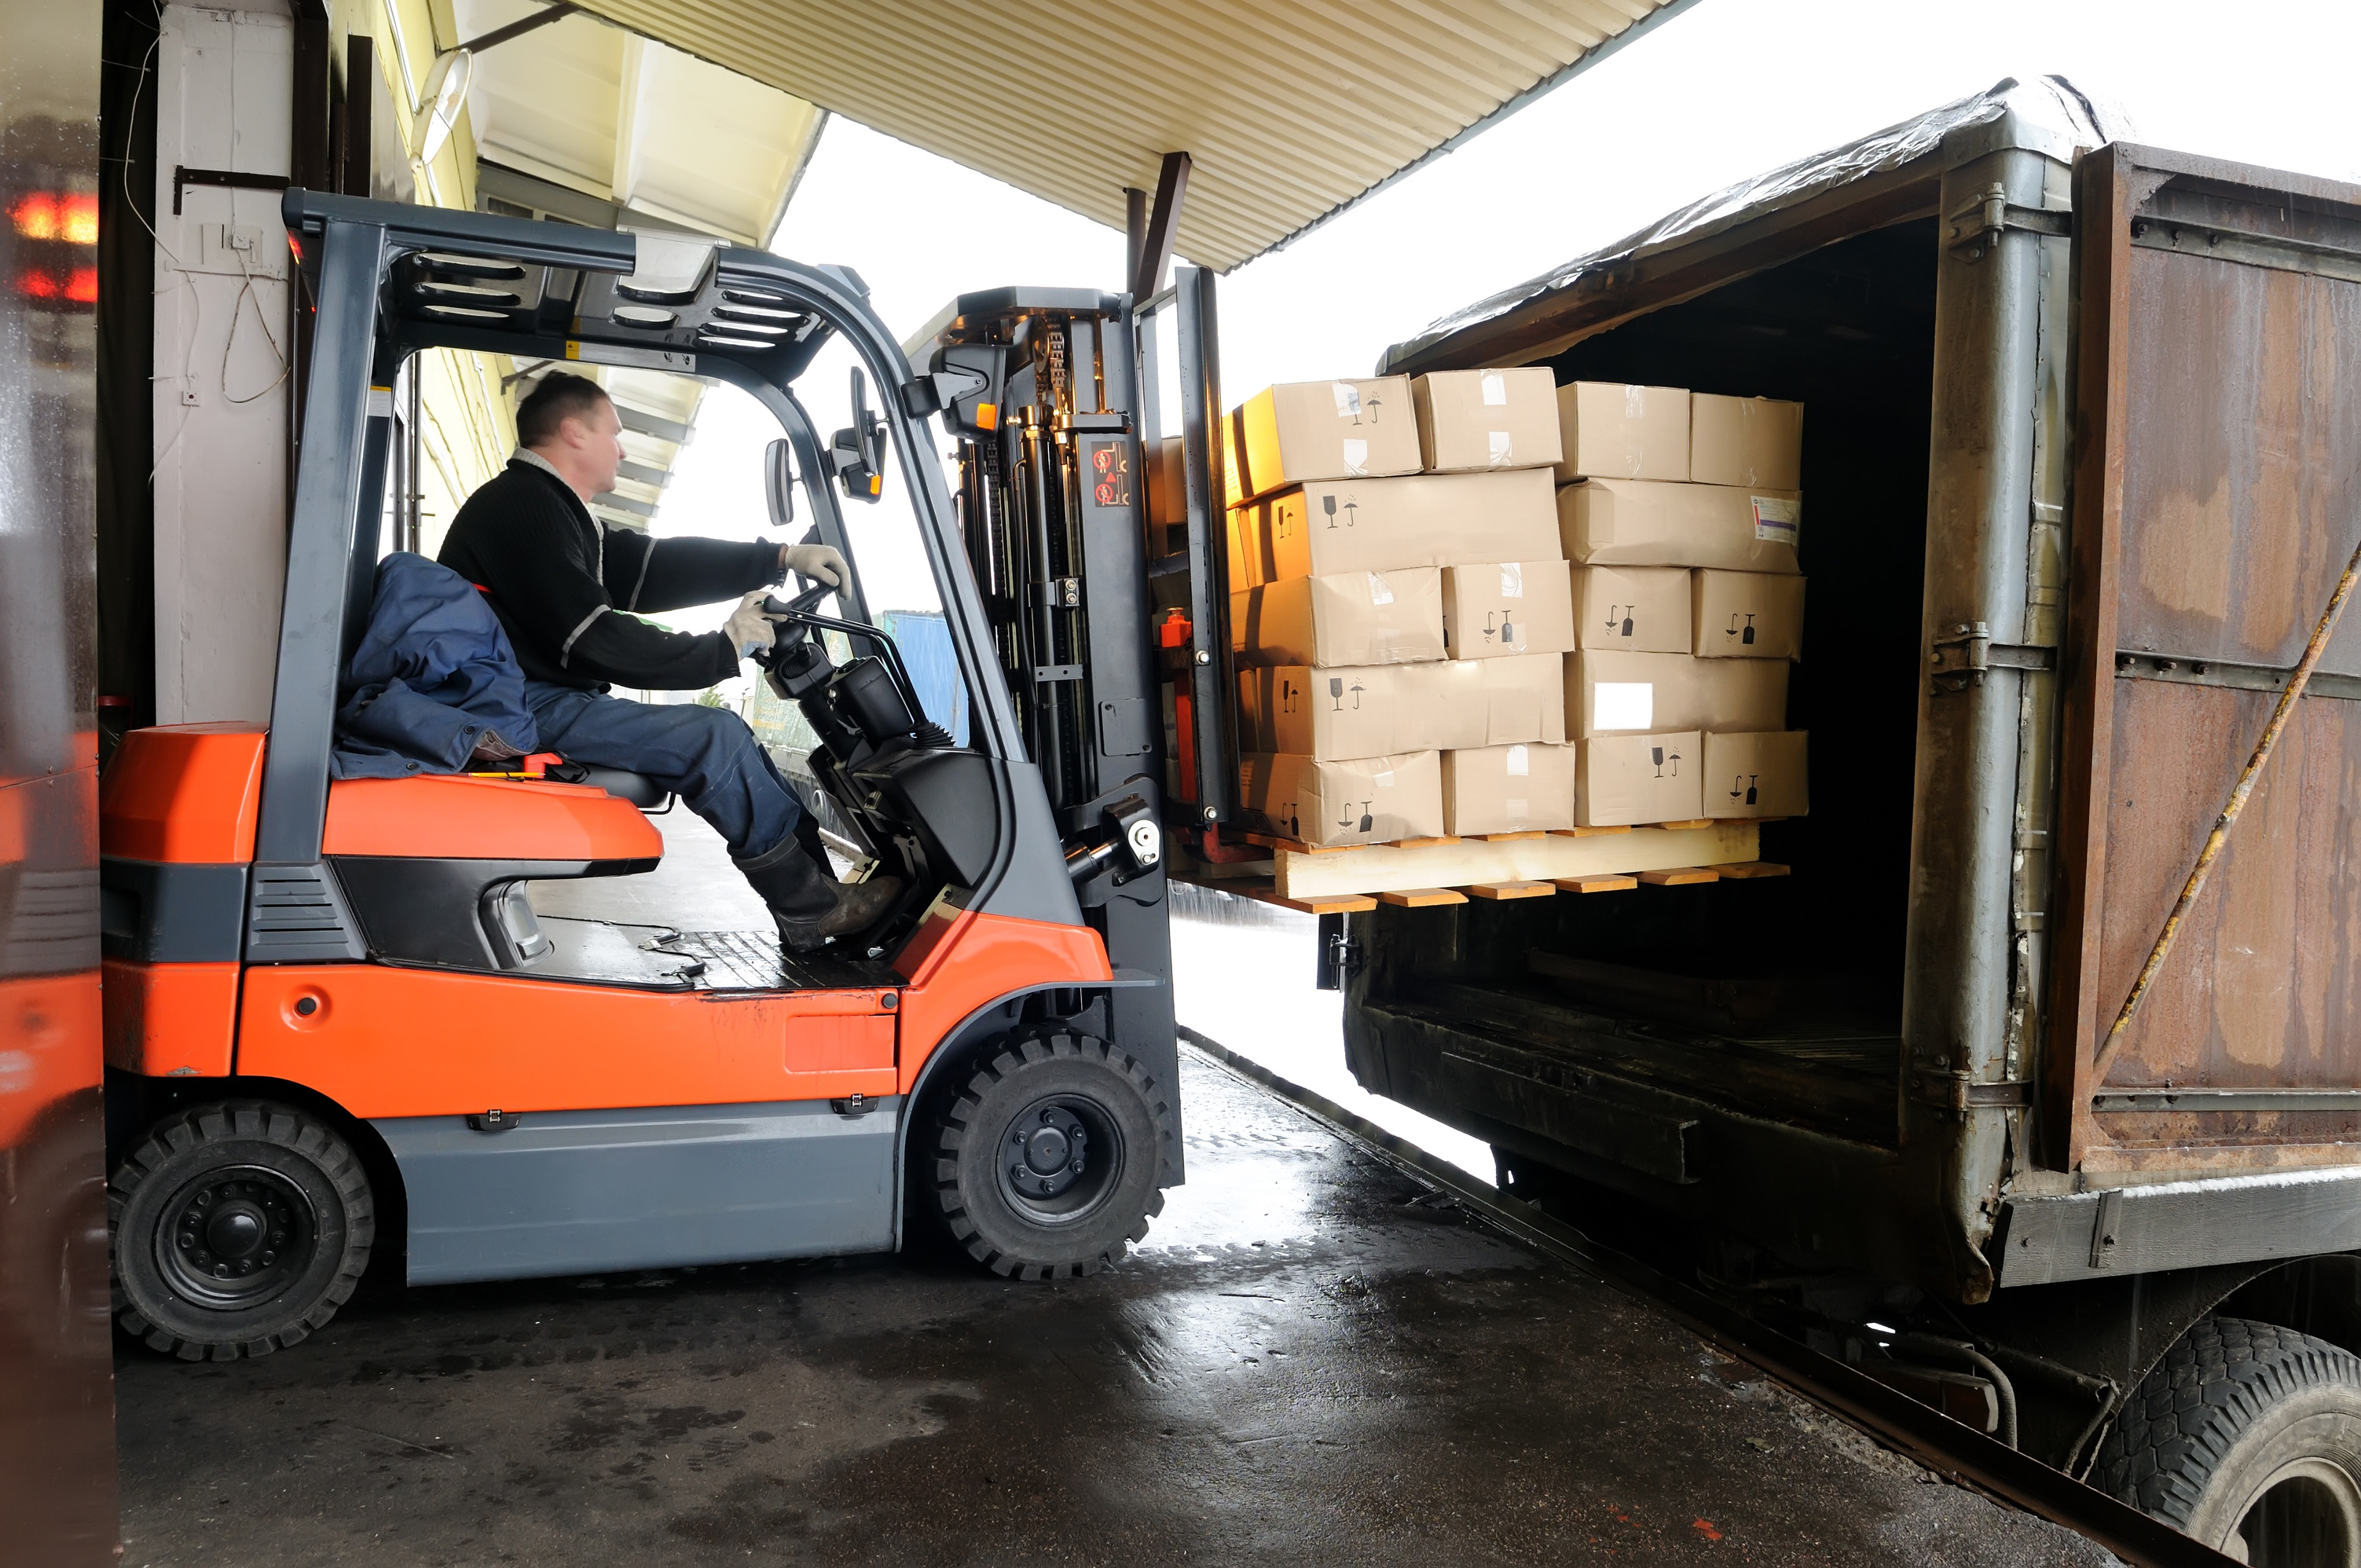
pixel 2081 464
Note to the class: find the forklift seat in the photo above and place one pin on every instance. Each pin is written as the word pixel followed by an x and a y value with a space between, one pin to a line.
pixel 638 788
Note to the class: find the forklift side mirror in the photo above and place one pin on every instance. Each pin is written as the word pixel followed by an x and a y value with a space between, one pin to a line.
pixel 858 452
pixel 779 482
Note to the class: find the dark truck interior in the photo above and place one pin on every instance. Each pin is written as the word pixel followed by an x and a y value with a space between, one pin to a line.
pixel 1783 994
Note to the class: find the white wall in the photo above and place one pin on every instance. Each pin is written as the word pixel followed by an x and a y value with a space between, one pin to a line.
pixel 222 82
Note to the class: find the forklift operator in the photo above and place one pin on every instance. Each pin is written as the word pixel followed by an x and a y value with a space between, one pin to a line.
pixel 569 593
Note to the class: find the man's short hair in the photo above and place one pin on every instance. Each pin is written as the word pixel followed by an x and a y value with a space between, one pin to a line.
pixel 555 399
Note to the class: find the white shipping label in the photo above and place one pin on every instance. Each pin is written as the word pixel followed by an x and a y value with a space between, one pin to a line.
pixel 1349 401
pixel 1503 456
pixel 1520 763
pixel 1779 521
pixel 1512 580
pixel 1380 592
pixel 1635 402
pixel 1496 389
pixel 1356 459
pixel 1623 705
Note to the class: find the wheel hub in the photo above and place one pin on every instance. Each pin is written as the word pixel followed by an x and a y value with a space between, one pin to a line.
pixel 1047 1152
pixel 233 1238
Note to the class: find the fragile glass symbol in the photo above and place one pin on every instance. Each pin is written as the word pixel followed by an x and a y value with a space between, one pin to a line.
pixel 1744 784
pixel 1622 613
pixel 1745 636
pixel 1658 755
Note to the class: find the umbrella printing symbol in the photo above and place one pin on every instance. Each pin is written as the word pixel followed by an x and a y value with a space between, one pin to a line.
pixel 1745 637
pixel 1660 756
pixel 1619 612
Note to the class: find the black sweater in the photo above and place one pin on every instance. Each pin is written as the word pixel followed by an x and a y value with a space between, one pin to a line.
pixel 558 578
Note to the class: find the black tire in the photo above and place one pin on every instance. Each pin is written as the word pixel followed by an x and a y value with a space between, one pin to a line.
pixel 238 1230
pixel 2249 1437
pixel 1019 1211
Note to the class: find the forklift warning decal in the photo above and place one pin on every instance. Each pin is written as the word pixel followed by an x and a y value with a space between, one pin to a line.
pixel 1110 473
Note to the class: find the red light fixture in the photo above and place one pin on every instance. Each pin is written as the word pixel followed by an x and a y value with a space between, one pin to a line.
pixel 67 215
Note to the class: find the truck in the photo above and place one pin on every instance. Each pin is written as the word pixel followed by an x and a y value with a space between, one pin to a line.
pixel 2081 466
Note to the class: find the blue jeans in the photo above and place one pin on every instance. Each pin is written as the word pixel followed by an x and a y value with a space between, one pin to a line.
pixel 705 755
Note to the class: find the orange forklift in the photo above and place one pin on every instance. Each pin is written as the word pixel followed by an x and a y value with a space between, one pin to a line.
pixel 337 1026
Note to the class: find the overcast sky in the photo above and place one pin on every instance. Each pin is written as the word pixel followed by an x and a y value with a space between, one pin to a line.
pixel 1726 91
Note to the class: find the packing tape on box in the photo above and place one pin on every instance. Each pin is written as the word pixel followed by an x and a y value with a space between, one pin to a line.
pixel 1380 592
pixel 1521 766
pixel 1349 401
pixel 1513 579
pixel 1503 453
pixel 1356 459
pixel 1496 389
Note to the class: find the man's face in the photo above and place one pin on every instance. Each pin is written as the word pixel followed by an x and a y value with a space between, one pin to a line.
pixel 594 447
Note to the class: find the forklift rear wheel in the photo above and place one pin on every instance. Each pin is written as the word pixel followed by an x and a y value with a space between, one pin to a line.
pixel 2247 1436
pixel 1046 1166
pixel 238 1230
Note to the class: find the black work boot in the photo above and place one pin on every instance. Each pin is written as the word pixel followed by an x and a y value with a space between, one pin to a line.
pixel 810 906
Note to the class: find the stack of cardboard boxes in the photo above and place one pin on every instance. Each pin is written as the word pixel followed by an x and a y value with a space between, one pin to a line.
pixel 1680 513
pixel 1400 609
pixel 1418 659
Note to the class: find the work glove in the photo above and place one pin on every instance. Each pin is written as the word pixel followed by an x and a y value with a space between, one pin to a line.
pixel 749 629
pixel 818 562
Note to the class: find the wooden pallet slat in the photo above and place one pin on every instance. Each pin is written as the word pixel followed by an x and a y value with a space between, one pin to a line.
pixel 1511 838
pixel 1421 897
pixel 1422 843
pixel 1595 884
pixel 1679 827
pixel 1506 890
pixel 1379 868
pixel 1680 876
pixel 1590 832
pixel 1748 871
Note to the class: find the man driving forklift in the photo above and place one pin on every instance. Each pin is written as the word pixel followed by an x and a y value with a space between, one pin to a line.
pixel 569 593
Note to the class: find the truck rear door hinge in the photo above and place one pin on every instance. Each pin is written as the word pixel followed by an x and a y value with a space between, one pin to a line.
pixel 1961 660
pixel 1976 227
pixel 1952 1092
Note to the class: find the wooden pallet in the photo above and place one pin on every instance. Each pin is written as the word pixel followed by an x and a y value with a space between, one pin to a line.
pixel 1548 861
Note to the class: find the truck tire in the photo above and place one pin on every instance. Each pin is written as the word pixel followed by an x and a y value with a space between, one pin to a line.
pixel 2249 1437
pixel 238 1230
pixel 1047 1163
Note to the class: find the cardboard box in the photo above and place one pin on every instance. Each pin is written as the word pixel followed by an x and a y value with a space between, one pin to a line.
pixel 1608 691
pixel 1249 547
pixel 1508 789
pixel 1621 780
pixel 1611 431
pixel 1472 703
pixel 1640 610
pixel 1375 800
pixel 1471 421
pixel 1349 618
pixel 1761 774
pixel 1301 430
pixel 1506 607
pixel 1746 441
pixel 1640 522
pixel 1747 615
pixel 1168 491
pixel 1373 710
pixel 1419 520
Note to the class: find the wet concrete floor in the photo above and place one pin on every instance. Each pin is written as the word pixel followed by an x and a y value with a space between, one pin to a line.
pixel 1311 1359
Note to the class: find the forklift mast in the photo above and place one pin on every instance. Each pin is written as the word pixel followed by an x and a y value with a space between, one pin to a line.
pixel 1055 424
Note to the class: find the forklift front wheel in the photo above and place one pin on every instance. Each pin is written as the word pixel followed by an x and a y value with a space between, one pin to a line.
pixel 1045 1166
pixel 238 1230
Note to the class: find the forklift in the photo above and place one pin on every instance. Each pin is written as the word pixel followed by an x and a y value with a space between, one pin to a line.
pixel 335 1022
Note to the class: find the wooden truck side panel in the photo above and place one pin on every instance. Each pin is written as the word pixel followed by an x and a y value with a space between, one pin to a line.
pixel 2218 499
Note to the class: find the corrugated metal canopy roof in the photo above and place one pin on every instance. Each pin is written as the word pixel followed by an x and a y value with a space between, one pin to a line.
pixel 1289 109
